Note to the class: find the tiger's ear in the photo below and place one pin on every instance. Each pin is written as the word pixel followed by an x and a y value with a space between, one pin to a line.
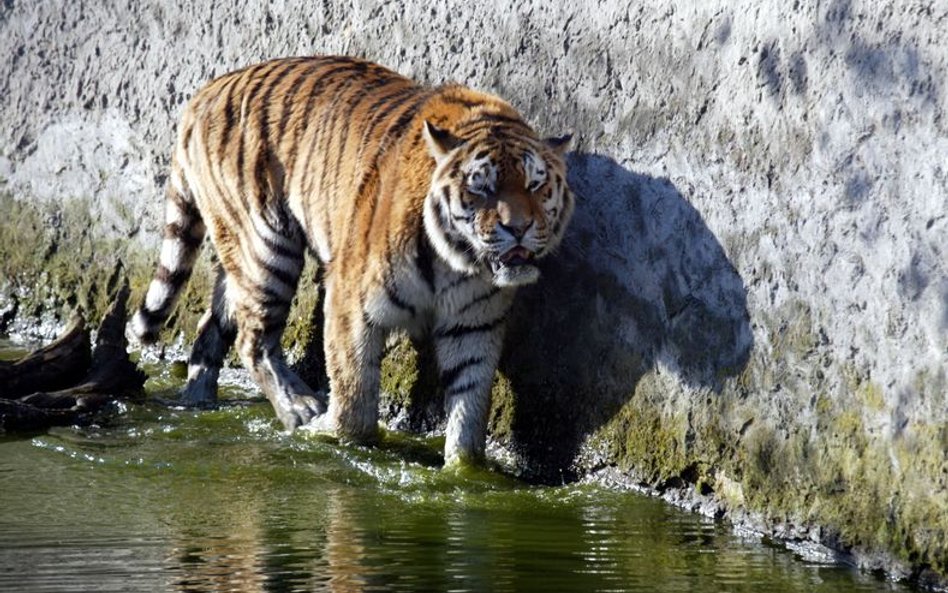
pixel 559 144
pixel 440 141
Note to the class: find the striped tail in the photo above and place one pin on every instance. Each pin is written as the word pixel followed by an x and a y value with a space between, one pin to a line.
pixel 184 231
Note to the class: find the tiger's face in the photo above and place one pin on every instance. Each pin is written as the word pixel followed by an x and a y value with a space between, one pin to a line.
pixel 498 201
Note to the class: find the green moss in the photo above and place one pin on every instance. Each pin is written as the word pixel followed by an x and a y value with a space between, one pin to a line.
pixel 794 333
pixel 866 392
pixel 502 408
pixel 866 492
pixel 302 329
pixel 400 371
pixel 639 437
pixel 55 258
pixel 409 383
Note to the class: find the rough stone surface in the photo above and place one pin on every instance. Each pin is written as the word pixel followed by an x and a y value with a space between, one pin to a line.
pixel 752 303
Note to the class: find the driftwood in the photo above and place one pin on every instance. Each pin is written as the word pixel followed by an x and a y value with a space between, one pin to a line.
pixel 57 366
pixel 62 384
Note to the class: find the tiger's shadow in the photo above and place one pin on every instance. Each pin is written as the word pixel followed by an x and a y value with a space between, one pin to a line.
pixel 639 280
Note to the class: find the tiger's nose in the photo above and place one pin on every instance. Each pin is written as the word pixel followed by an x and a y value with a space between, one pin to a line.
pixel 517 229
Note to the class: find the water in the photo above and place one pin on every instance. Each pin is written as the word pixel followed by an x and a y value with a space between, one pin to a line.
pixel 158 499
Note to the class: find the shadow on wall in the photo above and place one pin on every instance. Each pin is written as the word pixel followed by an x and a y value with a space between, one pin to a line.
pixel 639 279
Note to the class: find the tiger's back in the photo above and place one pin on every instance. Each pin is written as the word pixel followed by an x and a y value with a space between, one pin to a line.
pixel 373 173
pixel 291 133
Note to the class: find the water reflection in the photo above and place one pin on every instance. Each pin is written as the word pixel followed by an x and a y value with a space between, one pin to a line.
pixel 221 501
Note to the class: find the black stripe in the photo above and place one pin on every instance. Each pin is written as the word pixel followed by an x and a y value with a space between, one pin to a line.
pixel 317 90
pixel 264 152
pixel 459 330
pixel 329 115
pixel 271 297
pixel 294 251
pixel 159 315
pixel 352 104
pixel 462 388
pixel 461 247
pixel 424 259
pixel 457 282
pixel 290 96
pixel 233 206
pixel 230 118
pixel 397 301
pixel 395 131
pixel 384 139
pixel 371 171
pixel 557 226
pixel 152 318
pixel 306 187
pixel 282 250
pixel 391 102
pixel 369 206
pixel 226 327
pixel 180 199
pixel 454 100
pixel 241 147
pixel 344 111
pixel 415 141
pixel 174 279
pixel 186 138
pixel 449 376
pixel 204 359
pixel 457 243
pixel 275 315
pixel 492 118
pixel 480 299
pixel 288 278
pixel 337 59
pixel 182 232
pixel 264 71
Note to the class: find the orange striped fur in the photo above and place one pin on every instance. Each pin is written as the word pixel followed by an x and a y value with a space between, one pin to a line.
pixel 425 207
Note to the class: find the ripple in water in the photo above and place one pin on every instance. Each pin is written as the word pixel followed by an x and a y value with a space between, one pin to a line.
pixel 164 499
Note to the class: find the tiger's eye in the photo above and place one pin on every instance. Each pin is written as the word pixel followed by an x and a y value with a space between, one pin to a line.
pixel 479 186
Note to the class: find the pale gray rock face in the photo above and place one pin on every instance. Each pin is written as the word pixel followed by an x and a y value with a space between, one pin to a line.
pixel 760 245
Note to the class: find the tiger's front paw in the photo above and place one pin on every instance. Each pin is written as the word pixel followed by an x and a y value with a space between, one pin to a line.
pixel 300 410
pixel 200 390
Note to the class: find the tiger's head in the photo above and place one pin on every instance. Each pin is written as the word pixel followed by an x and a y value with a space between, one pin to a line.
pixel 498 199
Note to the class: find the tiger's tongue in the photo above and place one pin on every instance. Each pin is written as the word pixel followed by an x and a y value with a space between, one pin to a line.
pixel 518 254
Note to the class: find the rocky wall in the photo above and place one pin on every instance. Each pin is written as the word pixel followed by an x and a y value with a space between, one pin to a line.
pixel 750 310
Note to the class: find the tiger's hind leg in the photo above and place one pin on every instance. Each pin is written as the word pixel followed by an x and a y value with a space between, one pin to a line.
pixel 216 334
pixel 260 289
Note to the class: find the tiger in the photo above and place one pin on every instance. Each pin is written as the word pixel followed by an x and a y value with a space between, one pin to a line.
pixel 425 208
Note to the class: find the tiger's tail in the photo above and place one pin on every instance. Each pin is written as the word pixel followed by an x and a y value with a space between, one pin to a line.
pixel 183 234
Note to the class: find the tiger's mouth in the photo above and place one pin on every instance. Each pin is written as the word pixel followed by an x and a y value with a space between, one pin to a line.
pixel 514 267
pixel 516 256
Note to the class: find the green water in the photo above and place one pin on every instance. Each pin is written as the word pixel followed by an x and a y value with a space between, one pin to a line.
pixel 158 499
